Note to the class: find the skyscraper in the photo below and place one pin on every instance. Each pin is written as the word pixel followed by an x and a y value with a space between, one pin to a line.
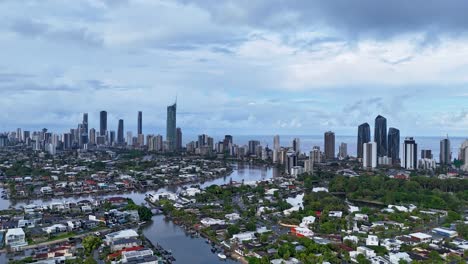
pixel 179 139
pixel 296 145
pixel 445 153
pixel 67 141
pixel 363 137
pixel 253 146
pixel 111 137
pixel 343 151
pixel 140 123
pixel 410 154
pixel 380 135
pixel 103 123
pixel 369 159
pixel 84 130
pixel 120 133
pixel 85 122
pixel 329 145
pixel 171 127
pixel 276 142
pixel 394 144
pixel 291 161
pixel 426 154
pixel 92 136
pixel 316 155
pixel 463 155
pixel 227 144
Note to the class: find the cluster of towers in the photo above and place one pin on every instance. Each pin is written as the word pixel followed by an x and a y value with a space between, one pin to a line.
pixel 384 149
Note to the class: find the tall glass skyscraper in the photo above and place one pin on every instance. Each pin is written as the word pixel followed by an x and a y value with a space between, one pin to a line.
pixel 84 132
pixel 363 137
pixel 394 144
pixel 103 123
pixel 140 123
pixel 380 135
pixel 120 132
pixel 445 153
pixel 171 132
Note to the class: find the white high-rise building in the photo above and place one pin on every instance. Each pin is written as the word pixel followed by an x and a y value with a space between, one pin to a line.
pixel 276 143
pixel 129 138
pixel 410 154
pixel 369 159
pixel 343 151
pixel 316 155
pixel 463 156
pixel 308 165
pixel 51 149
pixel 19 135
pixel 427 164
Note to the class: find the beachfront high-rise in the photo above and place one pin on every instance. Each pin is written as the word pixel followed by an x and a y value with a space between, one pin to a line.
pixel 329 145
pixel 171 127
pixel 363 137
pixel 380 135
pixel 394 145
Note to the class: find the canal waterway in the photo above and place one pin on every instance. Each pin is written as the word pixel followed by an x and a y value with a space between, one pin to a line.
pixel 185 249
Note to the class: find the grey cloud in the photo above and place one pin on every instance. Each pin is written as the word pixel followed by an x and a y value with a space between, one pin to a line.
pixel 222 50
pixel 32 28
pixel 13 77
pixel 396 62
pixel 363 18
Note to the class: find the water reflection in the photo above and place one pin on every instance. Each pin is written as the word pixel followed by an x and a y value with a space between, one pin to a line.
pixel 185 249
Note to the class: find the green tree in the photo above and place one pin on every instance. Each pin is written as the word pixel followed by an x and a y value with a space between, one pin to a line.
pixel 90 260
pixel 144 213
pixel 361 259
pixel 91 243
pixel 232 230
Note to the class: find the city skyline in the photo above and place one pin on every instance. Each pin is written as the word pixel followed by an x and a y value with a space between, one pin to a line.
pixel 382 66
pixel 233 131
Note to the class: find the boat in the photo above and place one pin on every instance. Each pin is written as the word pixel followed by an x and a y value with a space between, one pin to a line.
pixel 222 256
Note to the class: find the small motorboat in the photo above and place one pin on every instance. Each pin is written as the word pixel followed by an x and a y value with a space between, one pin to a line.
pixel 222 256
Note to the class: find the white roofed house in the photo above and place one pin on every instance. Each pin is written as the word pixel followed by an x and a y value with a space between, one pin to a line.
pixel 56 228
pixel 123 234
pixel 15 237
pixel 372 240
pixel 421 237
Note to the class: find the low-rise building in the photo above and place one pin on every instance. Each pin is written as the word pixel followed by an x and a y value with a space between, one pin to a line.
pixel 15 237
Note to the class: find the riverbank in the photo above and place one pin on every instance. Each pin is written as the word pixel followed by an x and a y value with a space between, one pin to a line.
pixel 118 191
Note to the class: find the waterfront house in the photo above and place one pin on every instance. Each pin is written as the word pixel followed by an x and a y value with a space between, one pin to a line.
pixel 124 243
pixel 246 236
pixel 123 234
pixel 117 201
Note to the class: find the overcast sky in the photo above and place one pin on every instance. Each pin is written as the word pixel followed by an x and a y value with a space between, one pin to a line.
pixel 240 67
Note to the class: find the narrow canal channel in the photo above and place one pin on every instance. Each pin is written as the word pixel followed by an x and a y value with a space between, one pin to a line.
pixel 185 249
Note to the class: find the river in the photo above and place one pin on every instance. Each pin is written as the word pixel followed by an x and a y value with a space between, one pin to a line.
pixel 170 236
